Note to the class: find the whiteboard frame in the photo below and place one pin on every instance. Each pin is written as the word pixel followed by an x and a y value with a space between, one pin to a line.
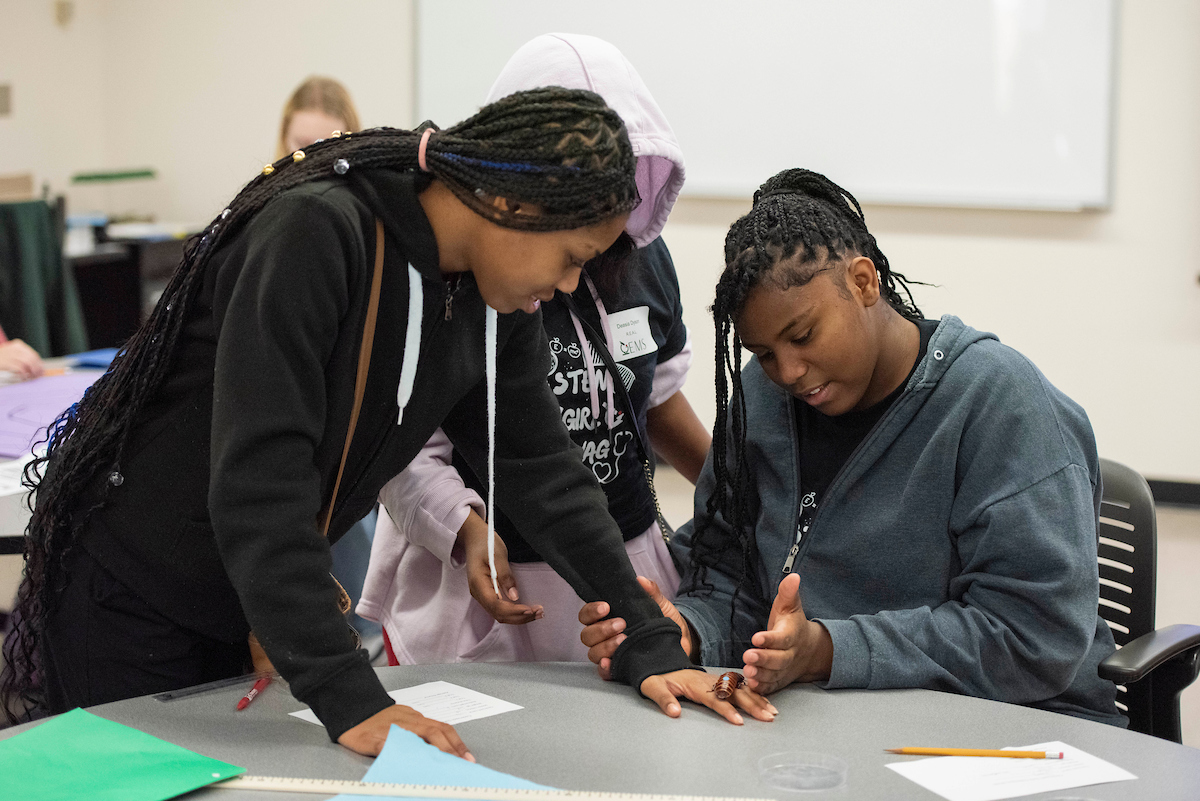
pixel 477 67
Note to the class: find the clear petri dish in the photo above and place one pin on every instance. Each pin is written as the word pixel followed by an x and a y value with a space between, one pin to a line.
pixel 802 771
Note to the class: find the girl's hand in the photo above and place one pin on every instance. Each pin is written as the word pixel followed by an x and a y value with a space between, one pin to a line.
pixel 603 636
pixel 696 685
pixel 368 737
pixel 472 538
pixel 793 648
pixel 20 359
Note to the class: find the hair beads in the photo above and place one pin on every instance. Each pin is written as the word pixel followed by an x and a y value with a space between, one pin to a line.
pixel 564 150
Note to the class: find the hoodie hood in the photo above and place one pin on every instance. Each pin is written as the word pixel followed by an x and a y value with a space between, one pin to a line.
pixel 575 61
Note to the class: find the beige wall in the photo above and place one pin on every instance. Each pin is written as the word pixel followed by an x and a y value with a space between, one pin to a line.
pixel 56 125
pixel 194 90
pixel 1106 303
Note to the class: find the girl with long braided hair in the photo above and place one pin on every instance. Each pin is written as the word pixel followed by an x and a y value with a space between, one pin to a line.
pixel 890 501
pixel 353 298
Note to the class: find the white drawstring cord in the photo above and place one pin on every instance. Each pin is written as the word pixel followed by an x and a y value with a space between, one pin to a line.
pixel 412 341
pixel 489 337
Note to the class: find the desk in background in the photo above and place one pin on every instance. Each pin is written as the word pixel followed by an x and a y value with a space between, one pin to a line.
pixel 577 732
pixel 14 513
pixel 120 279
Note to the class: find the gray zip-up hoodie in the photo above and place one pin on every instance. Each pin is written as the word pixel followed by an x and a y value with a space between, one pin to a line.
pixel 954 551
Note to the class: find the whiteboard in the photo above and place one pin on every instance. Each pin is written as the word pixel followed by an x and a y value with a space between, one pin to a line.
pixel 985 103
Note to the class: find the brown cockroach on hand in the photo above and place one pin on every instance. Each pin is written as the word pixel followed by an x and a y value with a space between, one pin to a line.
pixel 727 684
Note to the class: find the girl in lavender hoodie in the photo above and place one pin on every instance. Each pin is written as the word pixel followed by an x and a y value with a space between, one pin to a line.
pixel 429 555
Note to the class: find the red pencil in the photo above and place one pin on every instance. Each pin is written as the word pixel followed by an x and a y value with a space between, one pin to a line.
pixel 258 687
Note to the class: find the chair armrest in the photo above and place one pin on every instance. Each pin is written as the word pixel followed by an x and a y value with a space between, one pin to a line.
pixel 1147 652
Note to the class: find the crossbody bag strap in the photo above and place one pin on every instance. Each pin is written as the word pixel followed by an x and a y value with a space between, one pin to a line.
pixel 258 656
pixel 360 378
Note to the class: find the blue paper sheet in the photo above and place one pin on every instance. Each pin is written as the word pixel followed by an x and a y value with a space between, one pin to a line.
pixel 101 358
pixel 407 759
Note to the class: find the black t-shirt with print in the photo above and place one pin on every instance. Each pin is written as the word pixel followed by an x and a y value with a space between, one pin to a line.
pixel 646 320
pixel 826 443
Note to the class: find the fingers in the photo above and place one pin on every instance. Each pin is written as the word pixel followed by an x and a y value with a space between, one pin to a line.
pixel 20 359
pixel 504 576
pixel 602 640
pixel 697 686
pixel 501 610
pixel 508 585
pixel 651 589
pixel 512 614
pixel 764 659
pixel 657 689
pixel 444 738
pixel 754 704
pixel 787 600
pixel 767 671
pixel 593 612
pixel 664 604
pixel 669 612
pixel 369 736
pixel 602 654
pixel 604 669
pixel 605 630
pixel 778 639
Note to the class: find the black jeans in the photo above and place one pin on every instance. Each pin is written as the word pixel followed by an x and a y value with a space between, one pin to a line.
pixel 104 643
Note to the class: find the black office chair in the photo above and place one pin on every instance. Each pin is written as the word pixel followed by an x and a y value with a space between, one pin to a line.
pixel 1151 668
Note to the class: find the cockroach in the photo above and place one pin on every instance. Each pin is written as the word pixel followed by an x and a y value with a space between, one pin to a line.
pixel 727 684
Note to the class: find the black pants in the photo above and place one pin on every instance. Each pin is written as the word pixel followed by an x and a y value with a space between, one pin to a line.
pixel 104 643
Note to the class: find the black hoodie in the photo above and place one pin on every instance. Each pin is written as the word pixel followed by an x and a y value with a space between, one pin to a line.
pixel 232 459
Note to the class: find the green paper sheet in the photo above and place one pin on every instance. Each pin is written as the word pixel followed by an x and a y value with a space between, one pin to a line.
pixel 78 755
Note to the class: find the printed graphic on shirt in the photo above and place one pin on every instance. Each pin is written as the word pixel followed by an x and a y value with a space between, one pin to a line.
pixel 605 438
pixel 631 333
pixel 808 508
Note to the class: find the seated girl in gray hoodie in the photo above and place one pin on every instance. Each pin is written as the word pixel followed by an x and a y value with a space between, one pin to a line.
pixel 890 502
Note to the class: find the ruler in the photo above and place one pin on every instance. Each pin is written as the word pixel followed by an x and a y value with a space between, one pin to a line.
pixel 335 786
pixel 219 684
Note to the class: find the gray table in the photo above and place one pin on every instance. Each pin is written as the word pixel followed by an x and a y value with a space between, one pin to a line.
pixel 577 732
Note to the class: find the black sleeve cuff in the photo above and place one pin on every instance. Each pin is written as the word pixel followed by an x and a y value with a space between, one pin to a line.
pixel 650 649
pixel 348 698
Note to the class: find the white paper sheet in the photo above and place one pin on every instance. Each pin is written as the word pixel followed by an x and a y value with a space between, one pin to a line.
pixel 442 701
pixel 992 778
pixel 11 473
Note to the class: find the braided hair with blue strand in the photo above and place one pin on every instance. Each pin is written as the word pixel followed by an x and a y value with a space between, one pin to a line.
pixel 799 222
pixel 563 150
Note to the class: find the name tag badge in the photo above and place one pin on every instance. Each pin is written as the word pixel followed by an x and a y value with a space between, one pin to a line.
pixel 631 333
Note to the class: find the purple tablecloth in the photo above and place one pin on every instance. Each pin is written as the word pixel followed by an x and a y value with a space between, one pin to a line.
pixel 28 407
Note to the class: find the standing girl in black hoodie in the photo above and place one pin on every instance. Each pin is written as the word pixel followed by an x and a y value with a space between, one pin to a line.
pixel 316 334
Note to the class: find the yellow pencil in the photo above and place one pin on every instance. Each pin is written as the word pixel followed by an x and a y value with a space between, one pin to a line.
pixel 983 752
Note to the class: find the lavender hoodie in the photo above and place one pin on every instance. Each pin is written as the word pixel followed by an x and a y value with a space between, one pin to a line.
pixel 413 554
